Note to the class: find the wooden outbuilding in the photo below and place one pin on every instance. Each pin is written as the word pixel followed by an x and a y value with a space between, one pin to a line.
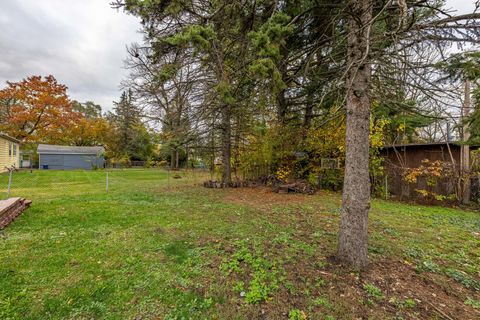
pixel 399 158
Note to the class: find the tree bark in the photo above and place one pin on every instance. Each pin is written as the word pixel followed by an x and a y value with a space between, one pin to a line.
pixel 212 132
pixel 465 149
pixel 186 156
pixel 226 144
pixel 282 107
pixel 177 159
pixel 353 234
pixel 236 157
pixel 172 159
pixel 307 121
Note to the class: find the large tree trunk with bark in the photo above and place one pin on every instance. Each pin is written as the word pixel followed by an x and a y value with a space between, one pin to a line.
pixel 307 120
pixel 177 159
pixel 236 137
pixel 353 235
pixel 172 159
pixel 226 144
pixel 465 149
pixel 282 106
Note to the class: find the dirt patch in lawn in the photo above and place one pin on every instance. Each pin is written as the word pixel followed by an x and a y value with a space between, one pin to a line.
pixel 309 282
pixel 338 292
pixel 263 197
pixel 415 295
pixel 319 287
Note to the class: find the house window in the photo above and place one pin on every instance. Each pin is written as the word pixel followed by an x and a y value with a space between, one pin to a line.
pixel 9 149
pixel 14 150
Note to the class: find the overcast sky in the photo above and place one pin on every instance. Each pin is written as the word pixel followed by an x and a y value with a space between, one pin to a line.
pixel 80 42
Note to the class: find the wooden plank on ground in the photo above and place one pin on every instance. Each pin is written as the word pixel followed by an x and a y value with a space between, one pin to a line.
pixel 10 209
pixel 8 204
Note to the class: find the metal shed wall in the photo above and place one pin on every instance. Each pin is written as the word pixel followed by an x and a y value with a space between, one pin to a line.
pixel 70 161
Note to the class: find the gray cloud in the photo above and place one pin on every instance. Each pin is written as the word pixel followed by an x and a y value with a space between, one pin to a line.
pixel 461 6
pixel 81 43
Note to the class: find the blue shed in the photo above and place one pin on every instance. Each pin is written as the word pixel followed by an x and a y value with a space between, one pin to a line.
pixel 68 158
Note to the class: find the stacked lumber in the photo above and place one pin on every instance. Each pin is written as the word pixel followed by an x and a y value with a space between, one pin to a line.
pixel 219 185
pixel 296 187
pixel 234 184
pixel 299 186
pixel 11 209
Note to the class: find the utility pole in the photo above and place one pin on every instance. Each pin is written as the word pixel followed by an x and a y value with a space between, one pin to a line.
pixel 465 149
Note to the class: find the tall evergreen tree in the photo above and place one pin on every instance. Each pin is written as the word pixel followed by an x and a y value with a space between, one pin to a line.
pixel 130 137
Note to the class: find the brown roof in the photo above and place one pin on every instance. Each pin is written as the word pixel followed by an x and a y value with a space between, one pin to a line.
pixel 425 144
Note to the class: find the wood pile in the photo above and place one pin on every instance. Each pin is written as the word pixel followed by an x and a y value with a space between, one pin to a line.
pixel 234 184
pixel 11 208
pixel 300 186
pixel 295 187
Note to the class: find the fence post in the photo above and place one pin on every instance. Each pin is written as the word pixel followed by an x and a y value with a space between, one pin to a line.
pixel 106 187
pixel 194 176
pixel 386 187
pixel 9 182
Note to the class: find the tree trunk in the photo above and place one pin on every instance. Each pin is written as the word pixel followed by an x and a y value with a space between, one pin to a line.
pixel 282 107
pixel 353 234
pixel 172 159
pixel 212 165
pixel 186 156
pixel 226 144
pixel 307 121
pixel 465 149
pixel 236 157
pixel 177 160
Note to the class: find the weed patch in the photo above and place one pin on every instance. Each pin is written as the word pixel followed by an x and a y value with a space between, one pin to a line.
pixel 373 291
pixel 262 276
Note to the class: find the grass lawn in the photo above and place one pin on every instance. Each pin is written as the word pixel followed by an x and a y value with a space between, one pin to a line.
pixel 156 247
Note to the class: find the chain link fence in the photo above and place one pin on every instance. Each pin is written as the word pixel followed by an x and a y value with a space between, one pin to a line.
pixel 50 184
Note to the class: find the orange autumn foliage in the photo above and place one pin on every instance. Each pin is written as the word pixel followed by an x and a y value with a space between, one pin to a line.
pixel 88 132
pixel 36 109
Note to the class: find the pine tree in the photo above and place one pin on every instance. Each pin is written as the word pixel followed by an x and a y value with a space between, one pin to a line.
pixel 130 137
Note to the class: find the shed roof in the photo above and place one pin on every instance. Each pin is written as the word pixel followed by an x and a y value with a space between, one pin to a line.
pixel 55 149
pixel 6 137
pixel 426 144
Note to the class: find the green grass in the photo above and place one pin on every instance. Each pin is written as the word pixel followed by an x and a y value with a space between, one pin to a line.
pixel 155 247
